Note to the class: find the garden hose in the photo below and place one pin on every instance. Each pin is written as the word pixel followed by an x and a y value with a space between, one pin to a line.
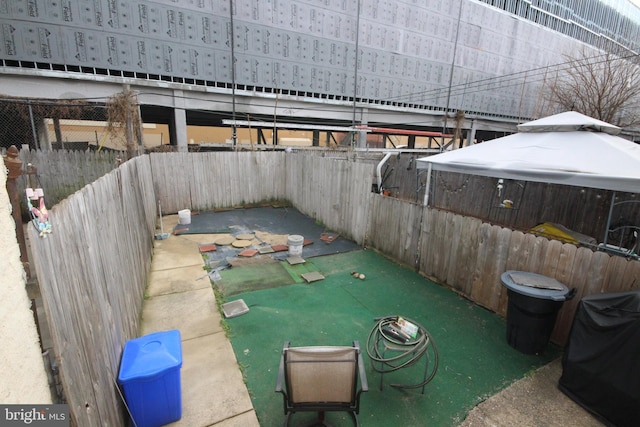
pixel 407 350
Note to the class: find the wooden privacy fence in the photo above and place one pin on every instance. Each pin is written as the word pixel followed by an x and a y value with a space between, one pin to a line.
pixel 61 172
pixel 334 192
pixel 394 228
pixel 469 256
pixel 93 268
pixel 202 181
pixel 92 272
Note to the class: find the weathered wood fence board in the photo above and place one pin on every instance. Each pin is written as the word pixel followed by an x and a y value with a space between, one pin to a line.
pixel 429 252
pixel 393 227
pixel 334 192
pixel 201 181
pixel 92 273
pixel 463 278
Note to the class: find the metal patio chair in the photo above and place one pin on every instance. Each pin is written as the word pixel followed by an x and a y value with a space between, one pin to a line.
pixel 320 379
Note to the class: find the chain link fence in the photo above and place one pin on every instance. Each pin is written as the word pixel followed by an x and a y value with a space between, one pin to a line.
pixel 71 124
pixel 68 143
pixel 50 125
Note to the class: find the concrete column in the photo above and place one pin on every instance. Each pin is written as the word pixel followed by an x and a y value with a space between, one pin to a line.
pixel 178 125
pixel 471 136
pixel 362 135
pixel 412 141
pixel 178 129
pixel 42 129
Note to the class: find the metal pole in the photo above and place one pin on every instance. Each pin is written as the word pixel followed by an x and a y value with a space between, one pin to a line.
pixel 33 128
pixel 427 187
pixel 234 135
pixel 453 63
pixel 131 146
pixel 423 218
pixel 141 129
pixel 58 132
pixel 606 231
pixel 355 72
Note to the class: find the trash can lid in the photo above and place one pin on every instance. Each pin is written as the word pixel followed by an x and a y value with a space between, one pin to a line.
pixel 534 285
pixel 150 355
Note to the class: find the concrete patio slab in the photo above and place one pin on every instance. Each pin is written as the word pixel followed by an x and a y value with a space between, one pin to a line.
pixel 180 296
pixel 248 419
pixel 194 313
pixel 175 252
pixel 201 238
pixel 192 277
pixel 213 389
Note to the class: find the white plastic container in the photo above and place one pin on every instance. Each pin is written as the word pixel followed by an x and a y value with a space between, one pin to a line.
pixel 184 217
pixel 295 243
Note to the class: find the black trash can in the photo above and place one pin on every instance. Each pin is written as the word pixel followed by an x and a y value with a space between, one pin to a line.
pixel 534 302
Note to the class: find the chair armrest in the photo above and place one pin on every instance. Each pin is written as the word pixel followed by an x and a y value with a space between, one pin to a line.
pixel 280 376
pixel 281 370
pixel 364 384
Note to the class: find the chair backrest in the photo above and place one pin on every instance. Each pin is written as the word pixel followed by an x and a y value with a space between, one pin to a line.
pixel 321 374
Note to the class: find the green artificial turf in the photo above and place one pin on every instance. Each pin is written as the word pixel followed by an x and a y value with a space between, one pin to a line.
pixel 475 360
pixel 253 277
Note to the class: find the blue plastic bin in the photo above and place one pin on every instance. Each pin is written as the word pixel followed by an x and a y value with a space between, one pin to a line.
pixel 150 378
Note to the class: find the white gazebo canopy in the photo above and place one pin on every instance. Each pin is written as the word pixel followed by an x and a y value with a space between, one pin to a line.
pixel 567 148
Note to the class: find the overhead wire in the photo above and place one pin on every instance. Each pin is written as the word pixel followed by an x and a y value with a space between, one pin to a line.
pixel 534 75
pixel 532 72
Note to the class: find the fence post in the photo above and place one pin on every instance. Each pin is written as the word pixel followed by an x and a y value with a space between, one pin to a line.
pixel 14 167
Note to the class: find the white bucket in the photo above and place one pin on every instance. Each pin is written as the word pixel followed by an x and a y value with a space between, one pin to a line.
pixel 295 243
pixel 184 217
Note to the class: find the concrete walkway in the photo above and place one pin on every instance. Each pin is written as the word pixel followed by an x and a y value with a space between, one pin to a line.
pixel 179 296
pixel 532 401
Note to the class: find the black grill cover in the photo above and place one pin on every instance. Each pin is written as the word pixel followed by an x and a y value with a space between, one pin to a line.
pixel 601 362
